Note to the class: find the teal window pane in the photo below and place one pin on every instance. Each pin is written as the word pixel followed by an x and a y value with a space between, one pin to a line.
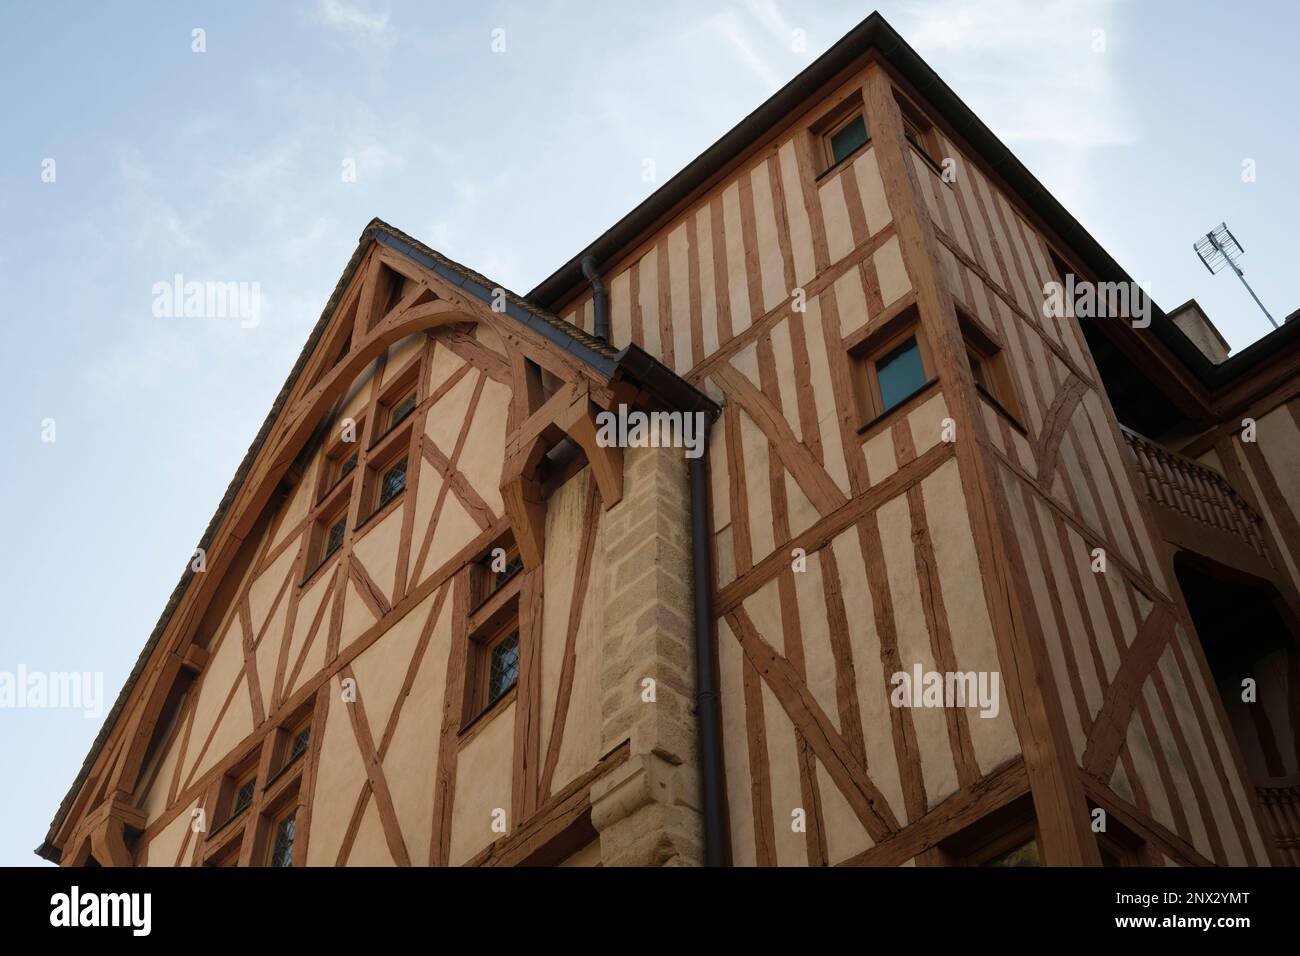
pixel 848 139
pixel 899 374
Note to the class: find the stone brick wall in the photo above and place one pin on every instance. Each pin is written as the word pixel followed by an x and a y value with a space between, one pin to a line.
pixel 648 810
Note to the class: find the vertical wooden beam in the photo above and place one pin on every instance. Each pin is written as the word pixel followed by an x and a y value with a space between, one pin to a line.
pixel 1055 783
pixel 528 705
pixel 453 707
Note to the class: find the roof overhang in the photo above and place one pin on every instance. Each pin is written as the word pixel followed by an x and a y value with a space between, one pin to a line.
pixel 658 383
pixel 1166 355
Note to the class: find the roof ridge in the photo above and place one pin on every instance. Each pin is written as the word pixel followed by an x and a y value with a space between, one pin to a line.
pixel 580 342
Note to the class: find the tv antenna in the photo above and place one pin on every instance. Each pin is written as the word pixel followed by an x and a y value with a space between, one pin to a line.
pixel 1220 247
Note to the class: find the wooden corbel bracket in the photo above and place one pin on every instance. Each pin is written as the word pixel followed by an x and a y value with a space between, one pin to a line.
pixel 569 412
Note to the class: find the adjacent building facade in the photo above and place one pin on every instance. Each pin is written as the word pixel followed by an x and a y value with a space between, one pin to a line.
pixel 442 620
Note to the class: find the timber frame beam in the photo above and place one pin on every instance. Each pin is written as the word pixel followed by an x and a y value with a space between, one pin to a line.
pixel 1054 781
pixel 392 288
pixel 571 412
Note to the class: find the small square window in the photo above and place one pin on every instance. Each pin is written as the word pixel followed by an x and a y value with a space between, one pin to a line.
pixel 282 849
pixel 891 365
pixel 899 374
pixel 848 138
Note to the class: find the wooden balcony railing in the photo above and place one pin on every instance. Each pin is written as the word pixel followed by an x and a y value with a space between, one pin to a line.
pixel 1195 491
pixel 1281 806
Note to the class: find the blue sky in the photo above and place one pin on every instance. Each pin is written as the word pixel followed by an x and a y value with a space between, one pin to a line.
pixel 227 165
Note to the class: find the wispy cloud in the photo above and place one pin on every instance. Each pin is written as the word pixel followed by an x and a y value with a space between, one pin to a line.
pixel 1033 69
pixel 737 33
pixel 366 24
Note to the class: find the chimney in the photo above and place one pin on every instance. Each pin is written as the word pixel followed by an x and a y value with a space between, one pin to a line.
pixel 1192 320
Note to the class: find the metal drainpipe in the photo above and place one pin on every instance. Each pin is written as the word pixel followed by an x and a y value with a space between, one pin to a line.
pixel 600 326
pixel 706 697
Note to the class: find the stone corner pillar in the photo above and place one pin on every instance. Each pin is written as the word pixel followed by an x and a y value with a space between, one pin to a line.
pixel 647 810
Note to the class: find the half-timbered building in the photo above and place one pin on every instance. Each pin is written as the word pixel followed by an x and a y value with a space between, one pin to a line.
pixel 442 621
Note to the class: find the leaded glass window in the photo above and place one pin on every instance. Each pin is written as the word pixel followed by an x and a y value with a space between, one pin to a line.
pixel 243 796
pixel 282 852
pixel 349 463
pixel 299 745
pixel 503 669
pixel 513 564
pixel 401 410
pixel 393 482
pixel 334 540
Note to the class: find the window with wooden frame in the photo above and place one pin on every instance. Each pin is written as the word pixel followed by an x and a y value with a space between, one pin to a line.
pixel 491 665
pixel 495 569
pixel 919 131
pixel 283 832
pixel 397 400
pixel 988 365
pixel 389 457
pixel 329 528
pixel 254 810
pixel 492 658
pixel 340 462
pixel 242 797
pixel 891 364
pixel 841 133
pixel 236 794
pixel 337 474
pixel 299 740
pixel 500 659
pixel 385 478
pixel 1007 837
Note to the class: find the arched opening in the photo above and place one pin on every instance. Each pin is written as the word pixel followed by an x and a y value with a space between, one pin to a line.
pixel 1246 636
pixel 1250 641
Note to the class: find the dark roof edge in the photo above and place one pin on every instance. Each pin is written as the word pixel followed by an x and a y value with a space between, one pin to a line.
pixel 595 353
pixel 875 32
pixel 599 355
pixel 739 138
pixel 676 392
